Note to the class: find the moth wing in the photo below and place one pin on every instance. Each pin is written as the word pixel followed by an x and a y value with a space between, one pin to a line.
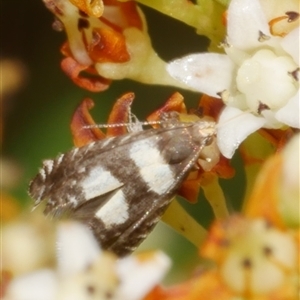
pixel 127 241
pixel 163 182
pixel 150 217
pixel 86 210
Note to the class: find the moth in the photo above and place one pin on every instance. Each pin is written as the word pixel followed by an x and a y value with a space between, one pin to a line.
pixel 120 186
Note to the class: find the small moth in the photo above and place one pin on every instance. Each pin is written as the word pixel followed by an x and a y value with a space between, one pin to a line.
pixel 120 186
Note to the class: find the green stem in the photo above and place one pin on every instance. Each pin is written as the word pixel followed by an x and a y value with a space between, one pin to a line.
pixel 215 196
pixel 178 218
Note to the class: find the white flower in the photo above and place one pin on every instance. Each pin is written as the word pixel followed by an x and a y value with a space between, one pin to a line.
pixel 257 78
pixel 266 254
pixel 84 272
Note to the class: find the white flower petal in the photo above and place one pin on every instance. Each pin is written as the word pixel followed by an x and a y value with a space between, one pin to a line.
pixel 247 243
pixel 22 238
pixel 41 285
pixel 245 20
pixel 290 43
pixel 236 55
pixel 289 114
pixel 271 121
pixel 234 126
pixel 209 73
pixel 76 248
pixel 257 75
pixel 139 276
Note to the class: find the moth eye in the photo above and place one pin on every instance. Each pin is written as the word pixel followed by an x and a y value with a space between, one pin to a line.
pixel 209 140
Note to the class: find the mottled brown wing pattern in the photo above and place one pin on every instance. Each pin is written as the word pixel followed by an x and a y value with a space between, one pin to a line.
pixel 120 186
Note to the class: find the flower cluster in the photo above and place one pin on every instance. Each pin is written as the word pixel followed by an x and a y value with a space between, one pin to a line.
pixel 85 272
pixel 258 76
pixel 112 45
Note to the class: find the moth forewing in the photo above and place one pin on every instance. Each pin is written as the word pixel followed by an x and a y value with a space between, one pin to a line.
pixel 122 185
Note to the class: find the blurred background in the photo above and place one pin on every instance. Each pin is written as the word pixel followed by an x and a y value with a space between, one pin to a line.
pixel 38 100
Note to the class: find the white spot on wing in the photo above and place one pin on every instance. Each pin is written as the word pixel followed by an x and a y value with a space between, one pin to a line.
pixel 89 147
pixel 98 182
pixel 106 141
pixel 51 202
pixel 40 193
pixel 153 169
pixel 73 200
pixel 74 152
pixel 48 165
pixel 159 177
pixel 114 211
pixel 81 170
pixel 125 137
pixel 43 174
pixel 59 159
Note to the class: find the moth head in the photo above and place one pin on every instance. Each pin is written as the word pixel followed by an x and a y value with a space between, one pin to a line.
pixel 209 140
pixel 210 154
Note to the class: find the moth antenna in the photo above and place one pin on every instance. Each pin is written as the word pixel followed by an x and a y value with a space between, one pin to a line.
pixel 134 125
pixel 127 124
